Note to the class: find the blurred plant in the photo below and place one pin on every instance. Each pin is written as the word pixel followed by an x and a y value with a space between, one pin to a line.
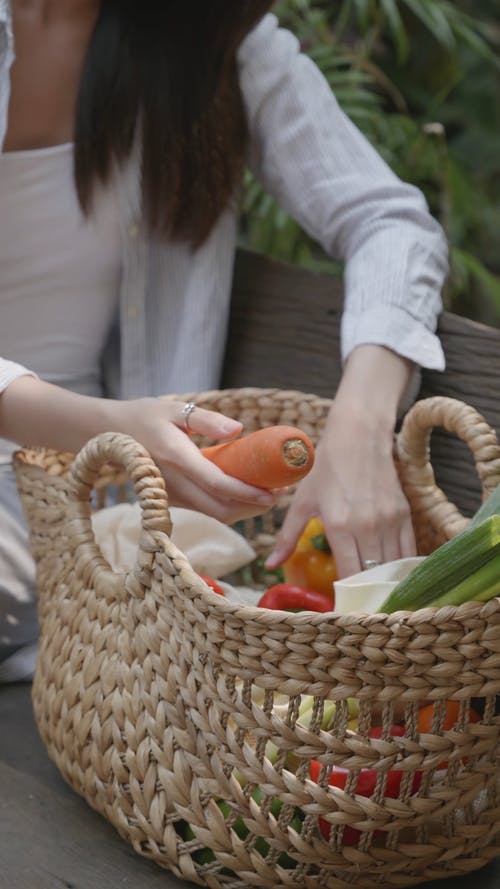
pixel 421 79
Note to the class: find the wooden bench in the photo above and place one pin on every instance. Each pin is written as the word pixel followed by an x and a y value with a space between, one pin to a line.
pixel 283 332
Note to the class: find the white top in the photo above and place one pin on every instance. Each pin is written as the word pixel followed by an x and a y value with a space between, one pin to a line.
pixel 59 272
pixel 174 303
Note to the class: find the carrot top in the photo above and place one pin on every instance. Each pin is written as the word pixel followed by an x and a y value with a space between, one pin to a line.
pixel 273 457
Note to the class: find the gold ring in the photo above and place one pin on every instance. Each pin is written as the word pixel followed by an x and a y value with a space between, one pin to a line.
pixel 186 412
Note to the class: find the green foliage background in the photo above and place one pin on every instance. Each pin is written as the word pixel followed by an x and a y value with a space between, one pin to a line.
pixel 421 79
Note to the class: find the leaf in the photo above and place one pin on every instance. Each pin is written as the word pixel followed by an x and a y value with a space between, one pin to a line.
pixel 449 76
pixel 397 28
pixel 471 267
pixel 434 18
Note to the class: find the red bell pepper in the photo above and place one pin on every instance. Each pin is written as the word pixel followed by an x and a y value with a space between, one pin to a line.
pixel 214 586
pixel 365 786
pixel 289 597
pixel 397 731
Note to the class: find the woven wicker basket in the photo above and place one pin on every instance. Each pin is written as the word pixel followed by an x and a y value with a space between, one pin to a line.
pixel 157 699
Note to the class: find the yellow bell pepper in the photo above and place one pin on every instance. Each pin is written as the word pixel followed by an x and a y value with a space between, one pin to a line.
pixel 312 565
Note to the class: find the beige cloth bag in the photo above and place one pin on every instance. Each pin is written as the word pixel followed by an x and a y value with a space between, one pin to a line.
pixel 212 548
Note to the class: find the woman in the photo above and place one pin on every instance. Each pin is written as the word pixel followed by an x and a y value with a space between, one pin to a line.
pixel 124 137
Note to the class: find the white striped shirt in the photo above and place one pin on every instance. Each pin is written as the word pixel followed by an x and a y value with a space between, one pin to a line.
pixel 174 304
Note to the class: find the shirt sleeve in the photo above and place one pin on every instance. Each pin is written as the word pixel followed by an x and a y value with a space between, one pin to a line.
pixel 10 371
pixel 309 155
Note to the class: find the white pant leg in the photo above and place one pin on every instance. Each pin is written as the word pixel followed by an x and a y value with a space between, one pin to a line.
pixel 18 610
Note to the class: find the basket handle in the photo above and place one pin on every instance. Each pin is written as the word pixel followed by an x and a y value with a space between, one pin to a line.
pixel 149 487
pixel 412 453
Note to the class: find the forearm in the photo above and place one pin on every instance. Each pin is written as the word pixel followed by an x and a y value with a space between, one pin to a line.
pixel 36 413
pixel 372 386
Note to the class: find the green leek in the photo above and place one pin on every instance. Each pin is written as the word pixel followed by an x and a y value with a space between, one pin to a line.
pixel 442 576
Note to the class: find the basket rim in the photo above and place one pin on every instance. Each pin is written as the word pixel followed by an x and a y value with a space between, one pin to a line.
pixel 397 619
pixel 275 617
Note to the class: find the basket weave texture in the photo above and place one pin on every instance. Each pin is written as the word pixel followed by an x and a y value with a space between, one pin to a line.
pixel 175 713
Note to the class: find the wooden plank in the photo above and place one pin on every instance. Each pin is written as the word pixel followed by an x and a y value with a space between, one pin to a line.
pixel 472 375
pixel 472 353
pixel 284 327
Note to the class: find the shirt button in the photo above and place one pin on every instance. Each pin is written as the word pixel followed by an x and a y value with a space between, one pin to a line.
pixel 132 312
pixel 133 230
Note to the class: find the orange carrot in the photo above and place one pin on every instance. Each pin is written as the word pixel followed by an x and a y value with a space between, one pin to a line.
pixel 269 458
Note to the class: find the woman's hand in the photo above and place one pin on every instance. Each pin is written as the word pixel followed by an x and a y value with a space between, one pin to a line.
pixel 192 480
pixel 36 413
pixel 353 486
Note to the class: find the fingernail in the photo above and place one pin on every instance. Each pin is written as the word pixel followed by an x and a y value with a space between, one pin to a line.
pixel 229 427
pixel 273 560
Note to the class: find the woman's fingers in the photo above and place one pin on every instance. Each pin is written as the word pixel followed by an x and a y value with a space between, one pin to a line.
pixel 363 529
pixel 385 537
pixel 199 421
pixel 176 454
pixel 180 459
pixel 408 544
pixel 348 559
pixel 192 480
pixel 183 491
pixel 285 541
pixel 398 539
pixel 193 465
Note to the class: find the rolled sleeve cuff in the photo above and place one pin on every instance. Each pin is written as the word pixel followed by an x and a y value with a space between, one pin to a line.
pixel 395 329
pixel 10 371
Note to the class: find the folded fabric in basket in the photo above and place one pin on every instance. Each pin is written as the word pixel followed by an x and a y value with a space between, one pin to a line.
pixel 211 547
pixel 365 592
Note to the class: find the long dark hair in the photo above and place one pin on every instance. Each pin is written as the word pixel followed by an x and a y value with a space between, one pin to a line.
pixel 166 71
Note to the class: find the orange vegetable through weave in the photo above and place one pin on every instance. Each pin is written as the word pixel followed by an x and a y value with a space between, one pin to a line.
pixel 450 718
pixel 274 457
pixel 311 564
